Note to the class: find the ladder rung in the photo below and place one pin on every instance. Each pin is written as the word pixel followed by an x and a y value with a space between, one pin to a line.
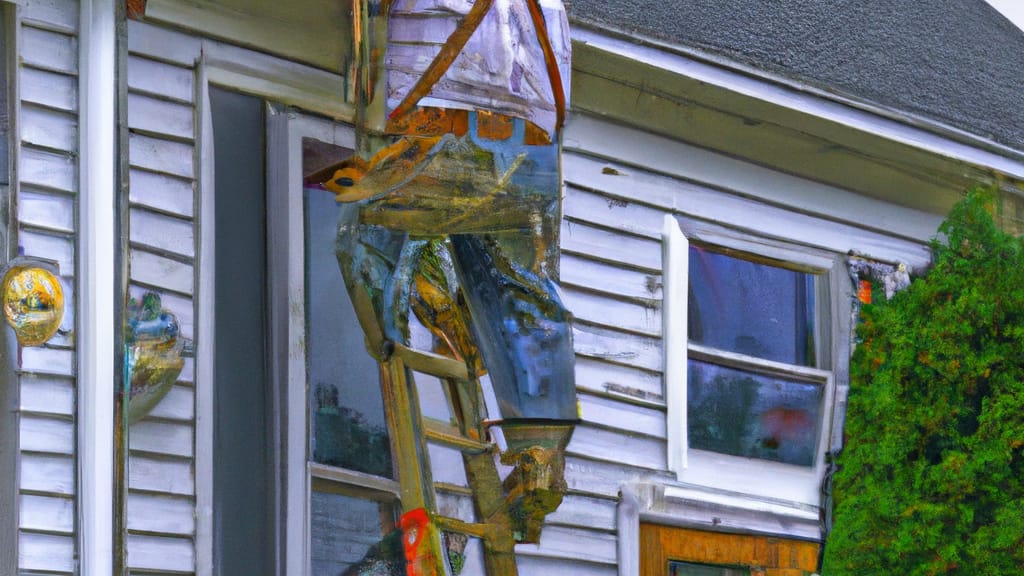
pixel 455 525
pixel 450 436
pixel 430 363
pixel 453 489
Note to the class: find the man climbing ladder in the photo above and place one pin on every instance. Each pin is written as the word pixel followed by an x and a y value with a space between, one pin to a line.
pixel 451 210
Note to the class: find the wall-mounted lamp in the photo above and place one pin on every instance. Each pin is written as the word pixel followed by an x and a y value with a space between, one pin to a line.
pixel 33 299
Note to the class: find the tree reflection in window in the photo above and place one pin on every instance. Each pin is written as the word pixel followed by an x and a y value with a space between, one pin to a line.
pixel 345 439
pixel 346 406
pixel 743 413
pixel 746 407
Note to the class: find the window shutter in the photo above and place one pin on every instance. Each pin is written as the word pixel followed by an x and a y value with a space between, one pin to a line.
pixel 675 289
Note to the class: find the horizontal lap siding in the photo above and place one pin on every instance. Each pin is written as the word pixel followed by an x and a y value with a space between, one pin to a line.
pixel 162 253
pixel 614 205
pixel 611 278
pixel 46 207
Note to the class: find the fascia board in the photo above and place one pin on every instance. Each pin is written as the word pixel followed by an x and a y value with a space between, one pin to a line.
pixel 903 128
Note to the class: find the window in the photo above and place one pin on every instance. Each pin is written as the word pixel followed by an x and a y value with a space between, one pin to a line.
pixel 749 382
pixel 296 465
pixel 353 496
pixel 336 482
pixel 349 458
pixel 302 479
pixel 676 551
pixel 676 568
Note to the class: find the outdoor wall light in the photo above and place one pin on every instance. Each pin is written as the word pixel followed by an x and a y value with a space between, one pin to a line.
pixel 33 300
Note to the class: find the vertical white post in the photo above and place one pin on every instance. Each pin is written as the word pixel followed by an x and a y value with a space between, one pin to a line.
pixel 96 291
pixel 675 289
pixel 288 284
pixel 205 348
pixel 286 279
pixel 627 517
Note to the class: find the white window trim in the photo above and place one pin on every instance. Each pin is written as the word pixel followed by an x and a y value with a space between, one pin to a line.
pixel 95 287
pixel 286 129
pixel 275 80
pixel 787 482
pixel 675 286
pixel 286 264
pixel 286 237
pixel 286 294
pixel 205 332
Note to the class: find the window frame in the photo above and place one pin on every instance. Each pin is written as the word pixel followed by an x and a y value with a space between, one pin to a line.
pixel 286 128
pixel 315 92
pixel 777 480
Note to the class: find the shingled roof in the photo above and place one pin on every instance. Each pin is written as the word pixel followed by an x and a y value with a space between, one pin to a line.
pixel 959 62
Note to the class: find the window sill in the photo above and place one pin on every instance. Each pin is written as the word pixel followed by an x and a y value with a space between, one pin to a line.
pixel 753 478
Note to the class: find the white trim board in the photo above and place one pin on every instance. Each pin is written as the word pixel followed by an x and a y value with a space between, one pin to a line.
pixel 675 283
pixel 276 79
pixel 286 129
pixel 286 264
pixel 658 171
pixel 205 333
pixel 900 127
pixel 245 70
pixel 315 33
pixel 96 338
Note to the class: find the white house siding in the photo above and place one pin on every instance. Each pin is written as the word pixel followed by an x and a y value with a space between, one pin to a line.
pixel 619 184
pixel 162 233
pixel 47 172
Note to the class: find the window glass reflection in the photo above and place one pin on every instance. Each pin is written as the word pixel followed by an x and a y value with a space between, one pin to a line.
pixel 688 569
pixel 747 414
pixel 347 426
pixel 751 308
pixel 348 531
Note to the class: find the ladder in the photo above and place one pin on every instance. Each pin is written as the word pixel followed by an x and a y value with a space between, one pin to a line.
pixel 422 526
pixel 425 549
pixel 410 433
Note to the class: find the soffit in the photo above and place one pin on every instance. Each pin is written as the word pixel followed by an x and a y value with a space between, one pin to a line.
pixel 314 32
pixel 956 61
pixel 789 139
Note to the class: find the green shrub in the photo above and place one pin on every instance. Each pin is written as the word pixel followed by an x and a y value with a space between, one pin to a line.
pixel 932 477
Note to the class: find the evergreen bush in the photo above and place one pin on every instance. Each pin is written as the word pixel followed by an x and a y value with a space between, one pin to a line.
pixel 931 480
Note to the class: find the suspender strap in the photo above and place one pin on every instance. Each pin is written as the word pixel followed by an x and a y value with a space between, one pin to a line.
pixel 457 41
pixel 449 51
pixel 557 90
